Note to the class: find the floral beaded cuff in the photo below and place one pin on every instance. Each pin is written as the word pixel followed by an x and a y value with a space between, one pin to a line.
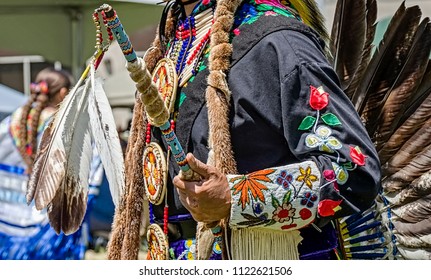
pixel 281 198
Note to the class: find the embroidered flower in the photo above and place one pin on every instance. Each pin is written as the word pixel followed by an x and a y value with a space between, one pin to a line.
pixel 330 176
pixel 283 213
pixel 188 243
pixel 341 173
pixel 284 179
pixel 250 184
pixel 206 2
pixel 323 139
pixel 306 177
pixel 309 199
pixel 236 31
pixel 189 248
pixel 357 156
pixel 328 207
pixel 190 256
pixel 318 98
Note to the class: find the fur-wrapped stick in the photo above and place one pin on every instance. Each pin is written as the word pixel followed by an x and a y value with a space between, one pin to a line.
pixel 154 106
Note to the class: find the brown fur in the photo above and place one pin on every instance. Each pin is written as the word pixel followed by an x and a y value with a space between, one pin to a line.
pixel 125 239
pixel 218 97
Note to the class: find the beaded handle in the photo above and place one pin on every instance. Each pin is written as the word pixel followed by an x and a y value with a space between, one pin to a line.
pixel 114 24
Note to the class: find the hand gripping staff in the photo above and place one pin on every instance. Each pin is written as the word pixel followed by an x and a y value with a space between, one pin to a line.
pixel 154 105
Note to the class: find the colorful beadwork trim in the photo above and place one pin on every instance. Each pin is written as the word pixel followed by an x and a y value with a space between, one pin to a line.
pixel 155 173
pixel 158 245
pixel 282 198
pixel 165 77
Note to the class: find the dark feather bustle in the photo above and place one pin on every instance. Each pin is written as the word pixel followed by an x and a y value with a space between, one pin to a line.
pixel 392 94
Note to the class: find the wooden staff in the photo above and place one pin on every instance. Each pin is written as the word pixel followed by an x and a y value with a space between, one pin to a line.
pixel 156 110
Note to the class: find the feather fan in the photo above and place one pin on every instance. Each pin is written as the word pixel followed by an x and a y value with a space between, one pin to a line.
pixel 417 189
pixel 106 138
pixel 412 147
pixel 406 131
pixel 59 179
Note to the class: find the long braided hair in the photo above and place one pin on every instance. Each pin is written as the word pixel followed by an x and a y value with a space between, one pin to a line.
pixel 45 91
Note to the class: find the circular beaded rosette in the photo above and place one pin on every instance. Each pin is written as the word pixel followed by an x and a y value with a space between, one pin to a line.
pixel 158 245
pixel 166 79
pixel 155 173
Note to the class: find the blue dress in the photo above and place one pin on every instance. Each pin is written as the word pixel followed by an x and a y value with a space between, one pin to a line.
pixel 25 233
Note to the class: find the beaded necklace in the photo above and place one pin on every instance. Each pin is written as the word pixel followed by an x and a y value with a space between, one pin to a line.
pixel 190 39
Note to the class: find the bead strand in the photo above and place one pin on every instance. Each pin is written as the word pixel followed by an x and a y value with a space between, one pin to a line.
pixel 165 219
pixel 148 134
pixel 99 38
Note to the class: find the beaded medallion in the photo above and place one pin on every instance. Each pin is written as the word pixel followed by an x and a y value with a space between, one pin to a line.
pixel 155 173
pixel 158 245
pixel 179 65
pixel 166 79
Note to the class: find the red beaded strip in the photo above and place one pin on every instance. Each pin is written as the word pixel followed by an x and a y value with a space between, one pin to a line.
pixel 165 219
pixel 198 48
pixel 148 134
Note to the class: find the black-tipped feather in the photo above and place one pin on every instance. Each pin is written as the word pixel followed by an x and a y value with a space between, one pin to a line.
pixel 404 86
pixel 386 62
pixel 347 39
pixel 421 94
pixel 371 16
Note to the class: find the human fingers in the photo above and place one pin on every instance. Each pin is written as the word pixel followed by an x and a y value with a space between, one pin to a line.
pixel 178 183
pixel 187 201
pixel 198 166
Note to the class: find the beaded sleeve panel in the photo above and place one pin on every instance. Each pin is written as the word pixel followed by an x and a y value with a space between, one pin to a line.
pixel 282 198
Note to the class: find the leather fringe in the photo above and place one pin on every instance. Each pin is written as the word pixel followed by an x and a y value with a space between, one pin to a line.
pixel 262 244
